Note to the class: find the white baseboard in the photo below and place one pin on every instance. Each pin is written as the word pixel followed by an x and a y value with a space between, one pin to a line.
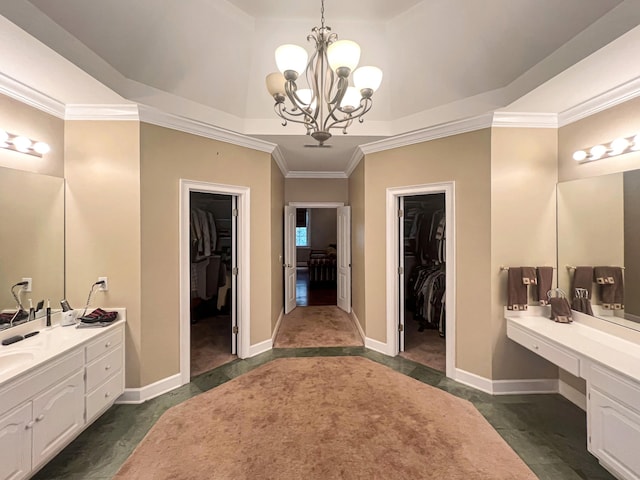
pixel 142 394
pixel 573 395
pixel 377 346
pixel 506 387
pixel 355 320
pixel 259 348
pixel 523 387
pixel 473 380
pixel 277 327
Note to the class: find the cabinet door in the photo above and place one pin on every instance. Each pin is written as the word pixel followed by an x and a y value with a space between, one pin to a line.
pixel 615 435
pixel 15 443
pixel 58 414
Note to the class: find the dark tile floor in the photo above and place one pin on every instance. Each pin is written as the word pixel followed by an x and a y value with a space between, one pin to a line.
pixel 547 431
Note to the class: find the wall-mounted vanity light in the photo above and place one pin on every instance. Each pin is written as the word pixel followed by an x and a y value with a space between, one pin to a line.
pixel 618 146
pixel 22 144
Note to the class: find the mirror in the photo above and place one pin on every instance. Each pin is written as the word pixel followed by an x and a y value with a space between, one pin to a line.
pixel 599 225
pixel 31 238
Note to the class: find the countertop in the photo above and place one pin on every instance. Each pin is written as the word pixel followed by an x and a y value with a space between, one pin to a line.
pixel 49 343
pixel 614 352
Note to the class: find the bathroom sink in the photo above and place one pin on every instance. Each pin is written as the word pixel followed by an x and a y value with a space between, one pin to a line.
pixel 11 360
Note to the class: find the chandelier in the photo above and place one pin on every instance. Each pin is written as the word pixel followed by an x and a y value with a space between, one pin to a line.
pixel 326 100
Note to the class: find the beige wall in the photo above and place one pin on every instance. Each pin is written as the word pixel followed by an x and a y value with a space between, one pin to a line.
pixel 631 243
pixel 620 121
pixel 465 159
pixel 316 190
pixel 358 281
pixel 523 223
pixel 277 232
pixel 103 225
pixel 166 157
pixel 20 119
pixel 590 225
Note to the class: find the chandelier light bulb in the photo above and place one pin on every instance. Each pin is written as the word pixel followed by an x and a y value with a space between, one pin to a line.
pixel 22 144
pixel 579 155
pixel 597 152
pixel 275 83
pixel 305 95
pixel 291 57
pixel 343 53
pixel 42 148
pixel 367 77
pixel 351 99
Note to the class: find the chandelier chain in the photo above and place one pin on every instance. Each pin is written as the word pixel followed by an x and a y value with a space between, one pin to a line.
pixel 322 14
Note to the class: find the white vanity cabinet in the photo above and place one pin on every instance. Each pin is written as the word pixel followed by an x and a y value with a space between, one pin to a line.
pixel 46 407
pixel 611 367
pixel 613 408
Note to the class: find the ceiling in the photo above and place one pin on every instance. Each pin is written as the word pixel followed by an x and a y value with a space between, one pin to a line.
pixel 443 60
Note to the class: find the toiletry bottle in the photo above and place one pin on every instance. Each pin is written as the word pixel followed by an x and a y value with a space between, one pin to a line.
pixel 48 313
pixel 32 311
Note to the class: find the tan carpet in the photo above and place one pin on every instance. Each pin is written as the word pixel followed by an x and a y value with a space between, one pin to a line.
pixel 323 418
pixel 325 326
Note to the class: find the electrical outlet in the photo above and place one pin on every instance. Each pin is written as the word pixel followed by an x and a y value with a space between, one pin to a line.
pixel 105 287
pixel 27 287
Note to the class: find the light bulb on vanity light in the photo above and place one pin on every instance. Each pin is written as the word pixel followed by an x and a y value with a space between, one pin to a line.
pixel 580 155
pixel 618 146
pixel 597 152
pixel 22 144
pixel 42 148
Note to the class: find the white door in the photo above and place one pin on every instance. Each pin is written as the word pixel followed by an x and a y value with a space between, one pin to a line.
pixel 234 275
pixel 401 273
pixel 344 258
pixel 289 265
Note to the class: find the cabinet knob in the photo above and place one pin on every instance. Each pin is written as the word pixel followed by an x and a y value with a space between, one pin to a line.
pixel 107 395
pixel 536 347
pixel 107 345
pixel 29 425
pixel 39 418
pixel 107 367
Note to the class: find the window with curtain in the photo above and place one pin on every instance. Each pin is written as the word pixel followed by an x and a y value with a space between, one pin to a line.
pixel 302 227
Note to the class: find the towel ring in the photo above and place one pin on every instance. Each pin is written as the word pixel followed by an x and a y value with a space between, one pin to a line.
pixel 558 291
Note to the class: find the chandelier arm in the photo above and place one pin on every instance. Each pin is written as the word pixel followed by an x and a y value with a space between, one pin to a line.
pixel 365 106
pixel 288 116
pixel 341 88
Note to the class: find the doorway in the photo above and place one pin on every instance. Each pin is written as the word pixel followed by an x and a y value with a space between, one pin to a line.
pixel 422 259
pixel 402 272
pixel 233 248
pixel 321 267
pixel 212 259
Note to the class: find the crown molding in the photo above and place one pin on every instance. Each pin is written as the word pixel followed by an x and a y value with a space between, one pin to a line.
pixel 615 96
pixel 280 160
pixel 525 120
pixel 124 112
pixel 303 174
pixel 355 160
pixel 202 129
pixel 30 96
pixel 432 133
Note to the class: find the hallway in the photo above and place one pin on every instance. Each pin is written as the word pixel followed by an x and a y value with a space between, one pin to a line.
pixel 317 326
pixel 310 294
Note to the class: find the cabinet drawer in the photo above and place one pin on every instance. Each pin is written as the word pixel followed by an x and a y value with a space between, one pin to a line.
pixel 103 367
pixel 104 344
pixel 104 395
pixel 30 384
pixel 615 386
pixel 556 355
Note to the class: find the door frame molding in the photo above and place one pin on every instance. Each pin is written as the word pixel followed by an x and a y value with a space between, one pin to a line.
pixel 392 265
pixel 243 255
